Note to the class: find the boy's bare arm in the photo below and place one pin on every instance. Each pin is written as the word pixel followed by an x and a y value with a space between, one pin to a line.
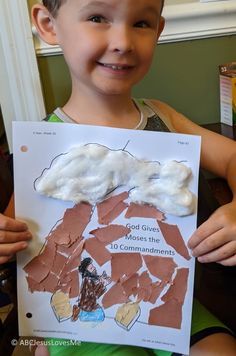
pixel 218 152
pixel 14 234
pixel 215 239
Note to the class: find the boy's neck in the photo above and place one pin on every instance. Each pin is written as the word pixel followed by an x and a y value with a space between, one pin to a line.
pixel 112 111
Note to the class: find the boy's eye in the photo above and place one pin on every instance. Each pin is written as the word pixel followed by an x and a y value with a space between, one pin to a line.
pixel 97 19
pixel 142 24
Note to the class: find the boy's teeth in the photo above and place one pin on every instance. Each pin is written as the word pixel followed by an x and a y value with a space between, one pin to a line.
pixel 113 66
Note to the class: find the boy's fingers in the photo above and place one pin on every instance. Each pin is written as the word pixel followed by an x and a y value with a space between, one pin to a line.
pixel 4 259
pixel 7 237
pixel 7 250
pixel 10 224
pixel 220 254
pixel 202 233
pixel 211 243
pixel 229 262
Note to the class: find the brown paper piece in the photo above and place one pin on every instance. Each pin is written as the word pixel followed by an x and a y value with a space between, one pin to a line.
pixel 61 252
pixel 157 288
pixel 124 265
pixel 70 284
pixel 179 287
pixel 64 279
pixel 130 284
pixel 74 260
pixel 48 253
pixel 112 207
pixel 69 250
pixel 144 290
pixel 114 213
pixel 115 295
pixel 74 284
pixel 72 225
pixel 36 269
pixel 59 263
pixel 168 315
pixel 34 286
pixel 50 283
pixel 174 238
pixel 76 219
pixel 144 279
pixel 60 235
pixel 160 267
pixel 110 233
pixel 144 211
pixel 144 293
pixel 97 251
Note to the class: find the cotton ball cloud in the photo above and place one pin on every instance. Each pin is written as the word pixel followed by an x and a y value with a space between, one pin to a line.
pixel 88 173
pixel 170 192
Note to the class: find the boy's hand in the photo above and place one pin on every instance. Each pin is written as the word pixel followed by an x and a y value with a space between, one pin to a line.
pixel 14 235
pixel 215 239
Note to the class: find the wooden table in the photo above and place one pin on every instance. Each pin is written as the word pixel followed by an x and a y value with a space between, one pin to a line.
pixel 223 129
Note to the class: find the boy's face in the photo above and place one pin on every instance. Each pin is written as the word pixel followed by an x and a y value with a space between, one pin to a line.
pixel 108 44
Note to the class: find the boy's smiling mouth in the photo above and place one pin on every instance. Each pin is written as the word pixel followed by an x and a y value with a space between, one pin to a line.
pixel 114 66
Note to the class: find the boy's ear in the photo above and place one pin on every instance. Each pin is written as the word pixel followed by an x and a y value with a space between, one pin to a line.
pixel 44 23
pixel 161 26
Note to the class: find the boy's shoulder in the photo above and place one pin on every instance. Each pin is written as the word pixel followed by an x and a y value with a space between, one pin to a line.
pixel 161 107
pixel 176 121
pixel 165 112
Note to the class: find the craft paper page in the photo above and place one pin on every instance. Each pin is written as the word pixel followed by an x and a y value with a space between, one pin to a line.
pixel 132 256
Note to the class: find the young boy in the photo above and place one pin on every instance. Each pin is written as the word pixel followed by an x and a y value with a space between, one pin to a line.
pixel 108 46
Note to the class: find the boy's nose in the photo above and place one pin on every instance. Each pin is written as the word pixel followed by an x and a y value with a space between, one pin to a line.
pixel 121 39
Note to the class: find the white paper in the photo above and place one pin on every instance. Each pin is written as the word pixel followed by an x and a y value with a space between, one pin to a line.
pixel 35 146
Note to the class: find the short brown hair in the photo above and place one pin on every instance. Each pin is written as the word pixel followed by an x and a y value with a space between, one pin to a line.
pixel 54 5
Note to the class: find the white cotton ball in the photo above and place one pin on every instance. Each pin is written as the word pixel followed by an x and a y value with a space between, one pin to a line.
pixel 175 172
pixel 89 172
